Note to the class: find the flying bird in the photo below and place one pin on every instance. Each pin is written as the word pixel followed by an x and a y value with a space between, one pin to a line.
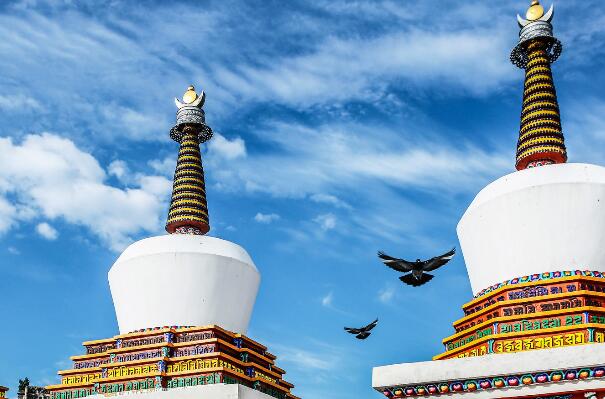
pixel 418 269
pixel 362 332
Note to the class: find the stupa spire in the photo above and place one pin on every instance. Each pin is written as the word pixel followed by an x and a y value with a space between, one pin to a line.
pixel 541 139
pixel 188 213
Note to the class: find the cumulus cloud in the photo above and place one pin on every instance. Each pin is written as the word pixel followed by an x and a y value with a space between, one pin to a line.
pixel 326 222
pixel 49 176
pixel 118 168
pixel 47 231
pixel 266 218
pixel 228 149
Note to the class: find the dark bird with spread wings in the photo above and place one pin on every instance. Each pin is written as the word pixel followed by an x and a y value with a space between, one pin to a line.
pixel 362 332
pixel 418 269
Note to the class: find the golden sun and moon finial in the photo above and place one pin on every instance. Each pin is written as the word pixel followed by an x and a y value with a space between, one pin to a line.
pixel 191 98
pixel 536 12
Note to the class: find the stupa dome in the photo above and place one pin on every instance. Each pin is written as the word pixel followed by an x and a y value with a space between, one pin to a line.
pixel 543 219
pixel 183 280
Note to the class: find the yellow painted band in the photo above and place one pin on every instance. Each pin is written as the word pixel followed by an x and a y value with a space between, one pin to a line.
pixel 538 69
pixel 187 201
pixel 538 113
pixel 536 96
pixel 530 316
pixel 188 194
pixel 188 187
pixel 185 178
pixel 516 334
pixel 544 130
pixel 545 123
pixel 539 86
pixel 189 209
pixel 543 61
pixel 530 81
pixel 538 104
pixel 532 151
pixel 188 158
pixel 541 140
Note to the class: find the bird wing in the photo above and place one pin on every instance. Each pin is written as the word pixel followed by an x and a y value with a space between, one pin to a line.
pixel 438 261
pixel 353 330
pixel 370 326
pixel 397 264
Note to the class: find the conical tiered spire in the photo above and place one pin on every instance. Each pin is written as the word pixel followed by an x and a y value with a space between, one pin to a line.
pixel 541 139
pixel 188 212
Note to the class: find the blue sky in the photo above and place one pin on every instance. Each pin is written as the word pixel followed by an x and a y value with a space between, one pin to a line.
pixel 342 127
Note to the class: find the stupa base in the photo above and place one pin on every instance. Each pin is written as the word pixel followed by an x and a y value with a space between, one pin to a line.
pixel 173 359
pixel 561 373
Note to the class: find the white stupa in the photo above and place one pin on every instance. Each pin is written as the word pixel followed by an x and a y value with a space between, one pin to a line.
pixel 183 302
pixel 534 247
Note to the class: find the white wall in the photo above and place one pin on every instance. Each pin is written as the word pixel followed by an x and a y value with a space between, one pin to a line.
pixel 537 220
pixel 183 280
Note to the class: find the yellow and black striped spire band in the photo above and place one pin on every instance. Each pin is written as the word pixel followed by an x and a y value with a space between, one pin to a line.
pixel 188 213
pixel 541 139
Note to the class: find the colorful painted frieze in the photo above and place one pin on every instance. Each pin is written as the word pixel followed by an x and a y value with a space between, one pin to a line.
pixel 540 342
pixel 500 382
pixel 548 276
pixel 523 307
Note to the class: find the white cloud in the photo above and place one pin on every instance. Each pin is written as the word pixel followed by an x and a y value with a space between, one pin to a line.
pixel 327 300
pixel 346 69
pixel 305 359
pixel 228 149
pixel 347 156
pixel 8 213
pixel 118 168
pixel 18 102
pixel 13 251
pixel 386 295
pixel 330 199
pixel 266 218
pixel 47 231
pixel 326 222
pixel 49 176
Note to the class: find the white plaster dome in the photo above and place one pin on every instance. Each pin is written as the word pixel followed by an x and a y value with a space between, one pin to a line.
pixel 543 219
pixel 183 280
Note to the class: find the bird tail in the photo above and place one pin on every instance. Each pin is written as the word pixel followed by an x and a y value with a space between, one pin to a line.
pixel 409 279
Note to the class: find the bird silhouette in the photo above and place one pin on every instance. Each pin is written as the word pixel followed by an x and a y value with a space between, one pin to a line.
pixel 418 269
pixel 362 332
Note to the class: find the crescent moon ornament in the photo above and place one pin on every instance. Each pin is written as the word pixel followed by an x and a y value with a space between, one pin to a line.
pixel 522 22
pixel 199 101
pixel 549 14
